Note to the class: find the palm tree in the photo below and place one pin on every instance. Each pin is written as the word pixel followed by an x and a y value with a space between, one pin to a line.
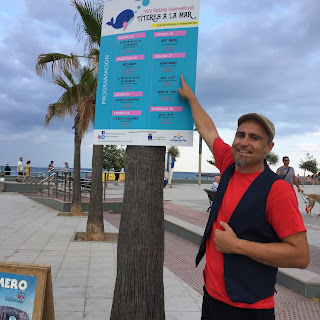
pixel 89 21
pixel 74 102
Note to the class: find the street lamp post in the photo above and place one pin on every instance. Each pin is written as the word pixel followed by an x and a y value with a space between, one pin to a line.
pixel 200 159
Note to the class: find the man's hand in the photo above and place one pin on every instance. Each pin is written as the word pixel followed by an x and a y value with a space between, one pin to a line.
pixel 225 241
pixel 185 91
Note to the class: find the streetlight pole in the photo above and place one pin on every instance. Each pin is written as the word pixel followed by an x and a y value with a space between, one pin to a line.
pixel 200 157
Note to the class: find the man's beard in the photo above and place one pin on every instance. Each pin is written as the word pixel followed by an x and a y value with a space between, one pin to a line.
pixel 240 161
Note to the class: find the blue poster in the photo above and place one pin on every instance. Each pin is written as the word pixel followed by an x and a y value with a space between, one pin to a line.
pixel 145 47
pixel 17 294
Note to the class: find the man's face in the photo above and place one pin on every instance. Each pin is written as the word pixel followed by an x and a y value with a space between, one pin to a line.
pixel 21 159
pixel 286 161
pixel 250 144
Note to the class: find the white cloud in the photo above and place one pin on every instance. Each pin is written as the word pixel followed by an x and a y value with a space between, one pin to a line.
pixel 309 147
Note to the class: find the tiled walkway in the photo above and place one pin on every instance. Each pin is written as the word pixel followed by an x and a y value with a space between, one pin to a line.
pixel 83 273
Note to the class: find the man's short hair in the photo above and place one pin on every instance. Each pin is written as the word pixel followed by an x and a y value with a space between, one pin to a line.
pixel 285 157
pixel 263 120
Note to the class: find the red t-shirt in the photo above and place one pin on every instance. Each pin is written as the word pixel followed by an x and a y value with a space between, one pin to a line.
pixel 282 213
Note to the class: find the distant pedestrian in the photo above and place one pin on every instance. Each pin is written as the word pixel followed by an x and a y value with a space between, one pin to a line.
pixel 286 173
pixel 7 170
pixel 66 165
pixel 20 169
pixel 50 170
pixel 215 185
pixel 27 172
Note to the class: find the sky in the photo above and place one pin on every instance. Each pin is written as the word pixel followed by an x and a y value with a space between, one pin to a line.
pixel 253 56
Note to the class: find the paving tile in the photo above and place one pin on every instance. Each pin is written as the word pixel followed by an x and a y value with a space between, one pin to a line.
pixel 102 273
pixel 69 304
pixel 101 247
pixel 78 253
pixel 101 282
pixel 69 316
pixel 28 256
pixel 96 315
pixel 6 253
pixel 98 305
pixel 72 265
pixel 103 266
pixel 104 259
pixel 181 304
pixel 100 292
pixel 74 292
pixel 65 273
pixel 70 282
pixel 183 315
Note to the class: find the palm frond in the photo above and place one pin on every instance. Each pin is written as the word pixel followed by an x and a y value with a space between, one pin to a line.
pixel 55 110
pixel 69 76
pixel 88 20
pixel 57 62
pixel 58 80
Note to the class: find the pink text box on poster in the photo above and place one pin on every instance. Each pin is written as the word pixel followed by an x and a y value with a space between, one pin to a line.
pixel 170 33
pixel 176 55
pixel 128 94
pixel 165 109
pixel 130 58
pixel 127 113
pixel 132 36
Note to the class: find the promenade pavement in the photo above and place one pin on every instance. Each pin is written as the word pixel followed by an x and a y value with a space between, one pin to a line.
pixel 84 272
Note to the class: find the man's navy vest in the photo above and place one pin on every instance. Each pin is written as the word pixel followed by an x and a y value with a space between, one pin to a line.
pixel 246 280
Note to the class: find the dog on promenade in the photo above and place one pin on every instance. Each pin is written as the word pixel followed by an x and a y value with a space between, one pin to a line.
pixel 312 198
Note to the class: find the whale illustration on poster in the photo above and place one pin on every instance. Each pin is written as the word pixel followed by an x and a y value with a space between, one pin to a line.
pixel 122 20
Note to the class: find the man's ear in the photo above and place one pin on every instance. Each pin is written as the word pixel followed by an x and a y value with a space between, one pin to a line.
pixel 269 147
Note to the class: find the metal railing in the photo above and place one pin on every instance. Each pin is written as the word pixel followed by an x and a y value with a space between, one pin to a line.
pixel 58 183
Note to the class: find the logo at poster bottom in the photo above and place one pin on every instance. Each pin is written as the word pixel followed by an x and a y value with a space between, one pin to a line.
pixel 150 136
pixel 102 136
pixel 178 138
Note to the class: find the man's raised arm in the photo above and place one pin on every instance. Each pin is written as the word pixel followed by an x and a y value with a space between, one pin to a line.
pixel 201 119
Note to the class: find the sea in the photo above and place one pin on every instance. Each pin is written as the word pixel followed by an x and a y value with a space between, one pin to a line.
pixel 192 175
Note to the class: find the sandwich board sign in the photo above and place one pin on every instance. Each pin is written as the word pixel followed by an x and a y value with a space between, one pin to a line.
pixel 25 292
pixel 146 45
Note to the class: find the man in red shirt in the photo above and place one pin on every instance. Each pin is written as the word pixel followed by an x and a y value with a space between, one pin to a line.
pixel 256 226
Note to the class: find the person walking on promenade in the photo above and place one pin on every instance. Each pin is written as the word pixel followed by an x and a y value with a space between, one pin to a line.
pixel 7 170
pixel 254 226
pixel 215 184
pixel 27 172
pixel 287 173
pixel 50 170
pixel 20 169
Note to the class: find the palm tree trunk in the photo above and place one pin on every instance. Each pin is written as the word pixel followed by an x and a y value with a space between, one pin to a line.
pixel 139 286
pixel 76 206
pixel 95 226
